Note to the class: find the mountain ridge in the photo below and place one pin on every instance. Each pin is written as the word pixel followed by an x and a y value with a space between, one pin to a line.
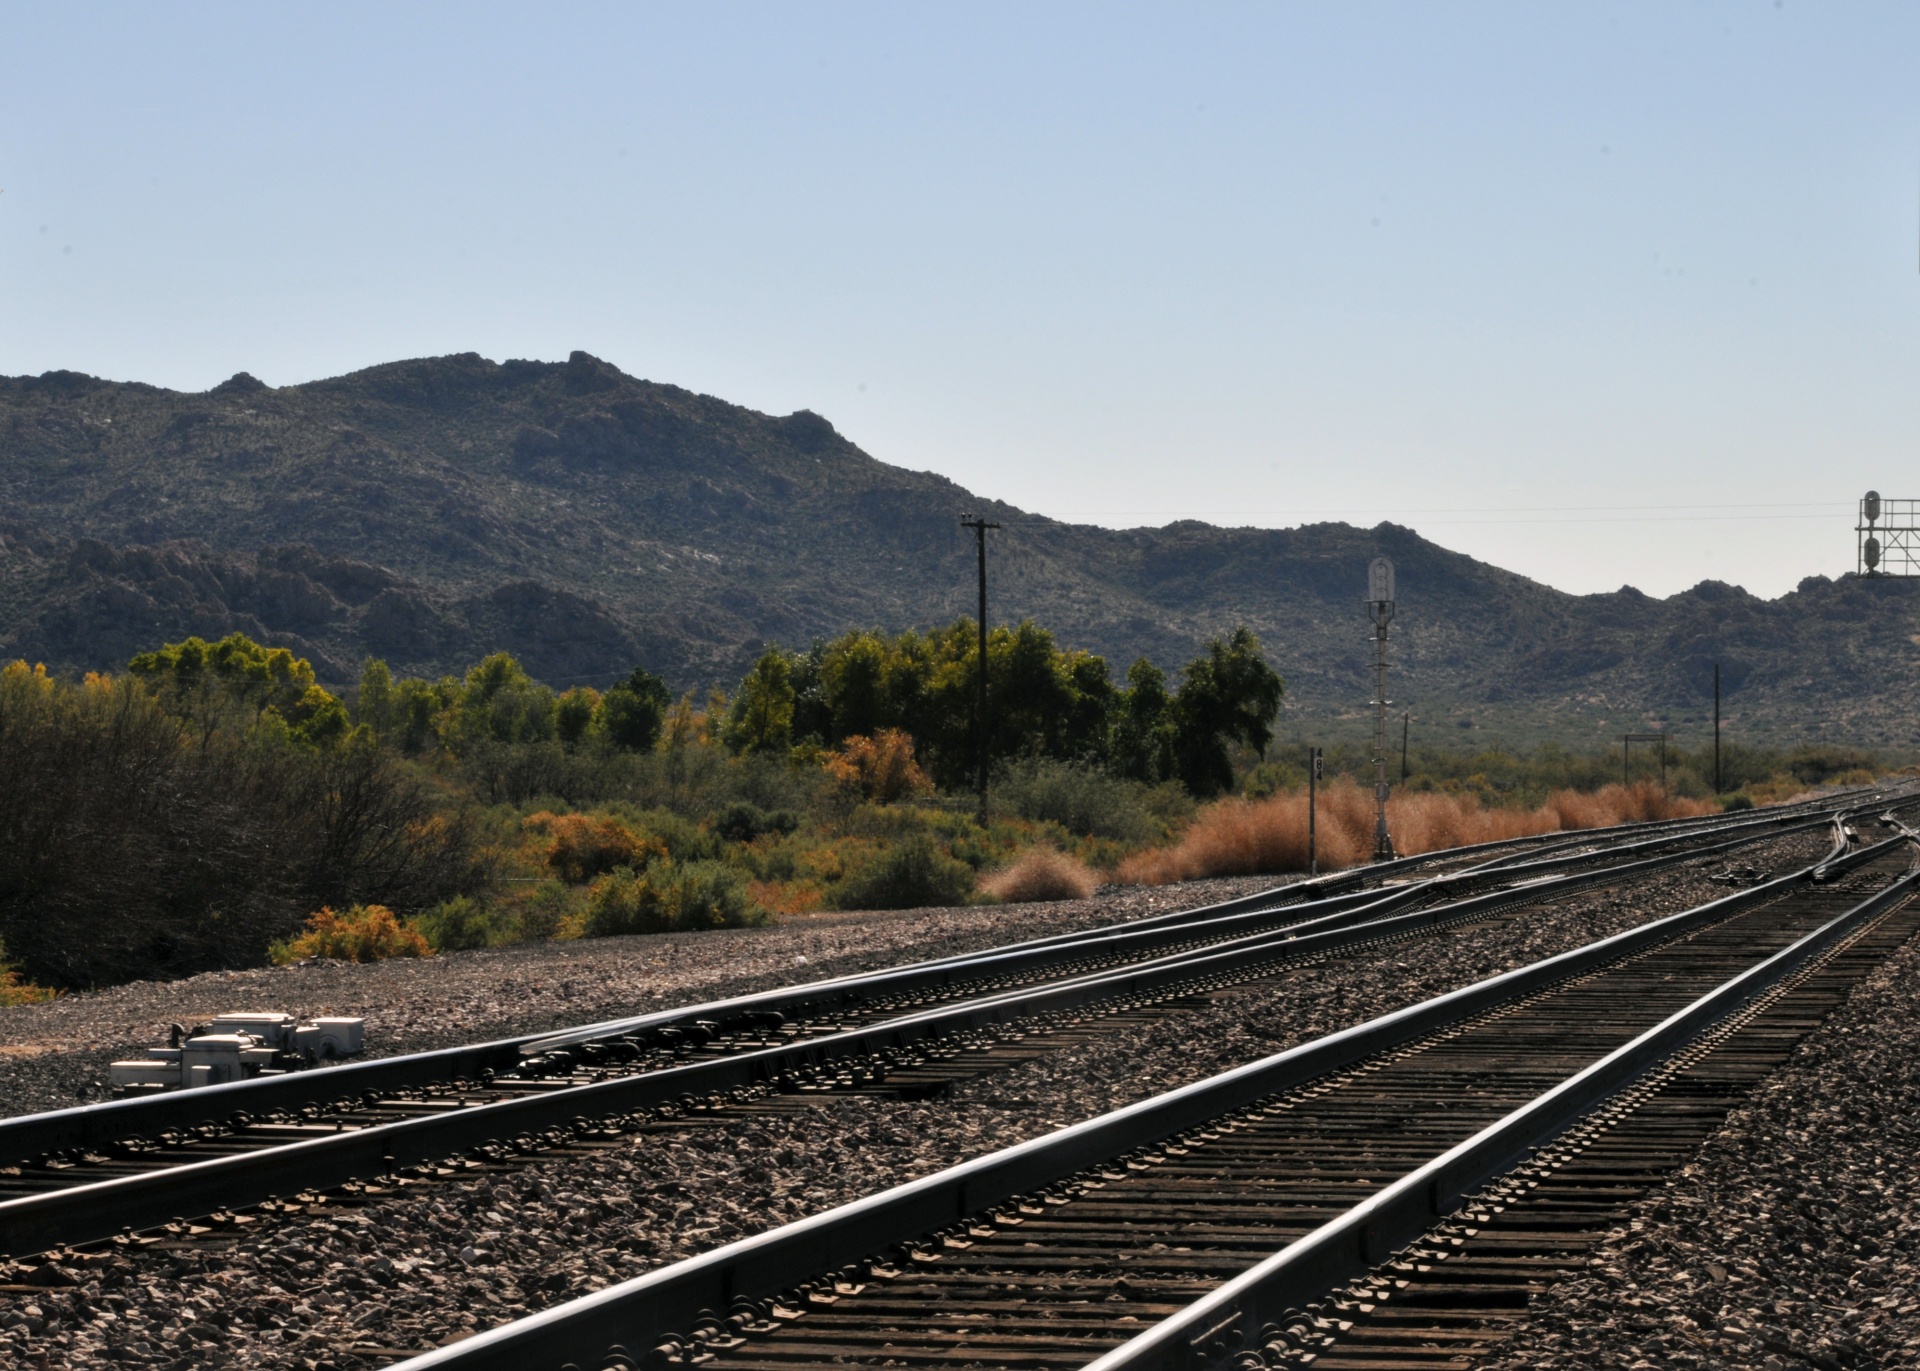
pixel 433 509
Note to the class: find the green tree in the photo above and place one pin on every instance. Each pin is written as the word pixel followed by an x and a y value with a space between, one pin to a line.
pixel 812 715
pixel 420 711
pixel 853 674
pixel 236 667
pixel 318 718
pixel 500 703
pixel 373 703
pixel 573 714
pixel 1230 695
pixel 632 713
pixel 761 716
pixel 1141 746
pixel 1043 701
pixel 237 679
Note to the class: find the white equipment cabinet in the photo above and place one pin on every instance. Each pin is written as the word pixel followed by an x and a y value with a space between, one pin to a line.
pixel 239 1047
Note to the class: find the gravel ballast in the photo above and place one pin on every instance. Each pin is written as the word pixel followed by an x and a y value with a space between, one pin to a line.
pixel 437 1261
pixel 53 1056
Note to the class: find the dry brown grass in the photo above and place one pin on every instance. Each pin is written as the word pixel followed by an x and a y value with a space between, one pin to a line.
pixel 1263 837
pixel 1041 874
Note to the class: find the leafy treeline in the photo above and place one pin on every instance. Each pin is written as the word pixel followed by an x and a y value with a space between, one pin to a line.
pixel 1043 702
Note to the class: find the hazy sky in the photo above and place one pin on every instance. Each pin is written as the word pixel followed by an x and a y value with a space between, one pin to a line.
pixel 1603 293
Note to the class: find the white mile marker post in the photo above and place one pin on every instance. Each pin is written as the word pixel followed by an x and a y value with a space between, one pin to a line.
pixel 1380 610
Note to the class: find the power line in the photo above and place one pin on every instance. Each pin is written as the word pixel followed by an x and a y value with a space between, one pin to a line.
pixel 1580 513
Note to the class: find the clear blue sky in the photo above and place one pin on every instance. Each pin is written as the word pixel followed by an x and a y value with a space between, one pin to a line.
pixel 1603 293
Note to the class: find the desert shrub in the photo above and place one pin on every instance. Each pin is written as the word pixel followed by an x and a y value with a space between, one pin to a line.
pixel 458 925
pixel 1080 798
pixel 1814 764
pixel 1041 874
pixel 912 874
pixel 742 822
pixel 1246 837
pixel 14 990
pixel 1619 804
pixel 361 933
pixel 542 910
pixel 771 783
pixel 585 846
pixel 1733 802
pixel 663 830
pixel 513 772
pixel 669 896
pixel 1258 837
pixel 621 902
pixel 881 767
pixel 787 896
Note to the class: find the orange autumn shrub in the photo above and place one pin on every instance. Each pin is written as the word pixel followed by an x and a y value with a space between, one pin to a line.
pixel 584 846
pixel 360 933
pixel 14 990
pixel 881 768
pixel 787 897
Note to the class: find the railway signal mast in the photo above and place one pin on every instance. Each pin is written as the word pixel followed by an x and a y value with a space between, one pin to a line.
pixel 1888 537
pixel 1380 610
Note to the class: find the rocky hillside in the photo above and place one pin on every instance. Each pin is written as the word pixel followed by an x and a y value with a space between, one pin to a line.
pixel 430 511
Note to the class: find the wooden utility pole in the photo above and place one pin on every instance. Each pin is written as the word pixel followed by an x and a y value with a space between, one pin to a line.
pixel 1313 796
pixel 980 527
pixel 1716 728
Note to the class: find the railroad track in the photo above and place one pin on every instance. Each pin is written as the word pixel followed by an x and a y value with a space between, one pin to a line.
pixel 1296 1208
pixel 1462 1296
pixel 672 1037
pixel 917 1039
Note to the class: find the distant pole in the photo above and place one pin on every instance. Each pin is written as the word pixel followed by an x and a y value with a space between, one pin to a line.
pixel 980 527
pixel 1406 722
pixel 1313 787
pixel 1380 610
pixel 1716 728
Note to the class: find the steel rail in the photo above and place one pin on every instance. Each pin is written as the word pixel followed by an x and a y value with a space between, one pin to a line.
pixel 1350 1245
pixel 95 1127
pixel 89 1211
pixel 639 1312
